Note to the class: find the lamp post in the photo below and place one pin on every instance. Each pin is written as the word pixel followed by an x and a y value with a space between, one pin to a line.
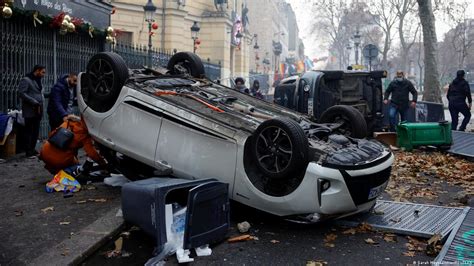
pixel 349 48
pixel 194 34
pixel 150 10
pixel 356 44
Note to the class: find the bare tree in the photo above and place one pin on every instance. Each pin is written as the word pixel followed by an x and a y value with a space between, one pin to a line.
pixel 457 17
pixel 385 18
pixel 432 86
pixel 329 15
pixel 408 27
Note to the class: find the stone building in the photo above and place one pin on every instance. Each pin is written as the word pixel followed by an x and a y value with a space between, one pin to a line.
pixel 217 19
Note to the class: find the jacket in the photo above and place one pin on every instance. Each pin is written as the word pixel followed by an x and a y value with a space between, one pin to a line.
pixel 458 92
pixel 400 90
pixel 59 99
pixel 57 159
pixel 30 92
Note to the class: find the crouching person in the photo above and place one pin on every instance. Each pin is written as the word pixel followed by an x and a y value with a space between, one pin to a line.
pixel 57 159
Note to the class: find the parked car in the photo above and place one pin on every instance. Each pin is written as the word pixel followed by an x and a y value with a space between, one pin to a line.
pixel 352 99
pixel 274 159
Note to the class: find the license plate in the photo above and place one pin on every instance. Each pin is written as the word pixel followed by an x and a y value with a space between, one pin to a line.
pixel 376 191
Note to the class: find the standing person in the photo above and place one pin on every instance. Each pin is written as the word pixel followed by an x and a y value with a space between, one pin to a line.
pixel 458 92
pixel 255 90
pixel 62 99
pixel 400 88
pixel 30 92
pixel 240 85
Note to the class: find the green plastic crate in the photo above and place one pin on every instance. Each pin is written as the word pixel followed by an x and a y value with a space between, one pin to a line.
pixel 411 135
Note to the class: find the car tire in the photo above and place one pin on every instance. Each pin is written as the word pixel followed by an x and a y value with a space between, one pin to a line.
pixel 354 124
pixel 280 148
pixel 105 76
pixel 186 63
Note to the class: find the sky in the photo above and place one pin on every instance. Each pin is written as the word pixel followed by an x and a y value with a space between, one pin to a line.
pixel 315 48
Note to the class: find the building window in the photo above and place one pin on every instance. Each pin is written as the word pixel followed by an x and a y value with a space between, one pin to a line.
pixel 125 37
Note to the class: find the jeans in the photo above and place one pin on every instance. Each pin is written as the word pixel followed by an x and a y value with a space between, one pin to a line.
pixel 393 112
pixel 32 127
pixel 455 109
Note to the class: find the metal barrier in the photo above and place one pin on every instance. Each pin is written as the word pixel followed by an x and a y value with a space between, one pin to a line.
pixel 24 46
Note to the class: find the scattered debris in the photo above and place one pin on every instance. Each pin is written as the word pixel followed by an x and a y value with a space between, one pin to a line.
pixel 240 238
pixel 81 201
pixel 243 227
pixel 397 220
pixel 329 239
pixel 97 200
pixel 350 231
pixel 18 213
pixel 409 254
pixel 364 228
pixel 390 238
pixel 64 223
pixel 377 212
pixel 434 245
pixel 316 263
pixel 273 241
pixel 65 252
pixel 370 241
pixel 48 209
pixel 117 251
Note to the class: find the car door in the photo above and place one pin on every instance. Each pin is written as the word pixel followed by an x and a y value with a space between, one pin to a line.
pixel 195 151
pixel 132 129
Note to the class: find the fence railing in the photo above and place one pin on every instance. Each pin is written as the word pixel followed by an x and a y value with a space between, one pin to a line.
pixel 136 56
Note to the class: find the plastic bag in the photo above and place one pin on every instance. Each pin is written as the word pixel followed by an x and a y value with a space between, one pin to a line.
pixel 62 181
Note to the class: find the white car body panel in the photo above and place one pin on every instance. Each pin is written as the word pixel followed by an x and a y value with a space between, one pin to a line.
pixel 197 147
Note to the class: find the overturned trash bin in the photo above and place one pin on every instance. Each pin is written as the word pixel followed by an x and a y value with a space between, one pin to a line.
pixel 147 204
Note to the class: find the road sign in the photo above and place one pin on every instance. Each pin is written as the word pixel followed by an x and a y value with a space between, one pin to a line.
pixel 370 52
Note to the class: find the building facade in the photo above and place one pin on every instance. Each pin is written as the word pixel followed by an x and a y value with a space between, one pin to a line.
pixel 224 38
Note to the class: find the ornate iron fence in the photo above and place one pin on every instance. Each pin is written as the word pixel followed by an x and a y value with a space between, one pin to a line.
pixel 136 56
pixel 23 46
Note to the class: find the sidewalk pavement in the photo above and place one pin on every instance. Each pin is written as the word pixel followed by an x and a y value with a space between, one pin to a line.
pixel 42 228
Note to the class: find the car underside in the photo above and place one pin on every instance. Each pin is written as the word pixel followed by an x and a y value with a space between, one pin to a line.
pixel 273 158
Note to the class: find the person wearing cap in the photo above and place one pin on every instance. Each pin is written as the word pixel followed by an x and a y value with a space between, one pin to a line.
pixel 458 92
pixel 399 89
pixel 240 85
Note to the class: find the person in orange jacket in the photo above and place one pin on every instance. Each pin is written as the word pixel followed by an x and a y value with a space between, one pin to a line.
pixel 57 159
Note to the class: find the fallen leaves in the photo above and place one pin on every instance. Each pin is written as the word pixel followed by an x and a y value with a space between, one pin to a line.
pixel 413 174
pixel 409 254
pixel 434 245
pixel 48 209
pixel 316 263
pixel 241 238
pixel 370 241
pixel 329 240
pixel 390 238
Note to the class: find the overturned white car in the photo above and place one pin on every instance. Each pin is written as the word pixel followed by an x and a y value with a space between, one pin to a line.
pixel 274 159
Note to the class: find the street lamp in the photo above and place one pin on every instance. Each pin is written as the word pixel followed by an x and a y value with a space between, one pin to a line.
pixel 150 10
pixel 194 33
pixel 356 44
pixel 349 48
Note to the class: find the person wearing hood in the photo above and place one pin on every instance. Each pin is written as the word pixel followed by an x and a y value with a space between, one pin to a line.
pixel 62 99
pixel 255 90
pixel 400 88
pixel 240 85
pixel 458 92
pixel 31 96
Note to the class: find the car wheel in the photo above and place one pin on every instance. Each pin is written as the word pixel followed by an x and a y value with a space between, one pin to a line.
pixel 353 122
pixel 186 63
pixel 280 148
pixel 106 74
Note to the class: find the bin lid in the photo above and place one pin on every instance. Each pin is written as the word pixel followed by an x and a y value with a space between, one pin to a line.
pixel 207 217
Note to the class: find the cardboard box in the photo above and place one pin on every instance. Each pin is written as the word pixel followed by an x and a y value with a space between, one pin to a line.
pixel 389 138
pixel 8 149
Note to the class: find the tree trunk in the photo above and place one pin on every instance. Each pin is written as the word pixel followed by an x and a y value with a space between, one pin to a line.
pixel 432 92
pixel 386 48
